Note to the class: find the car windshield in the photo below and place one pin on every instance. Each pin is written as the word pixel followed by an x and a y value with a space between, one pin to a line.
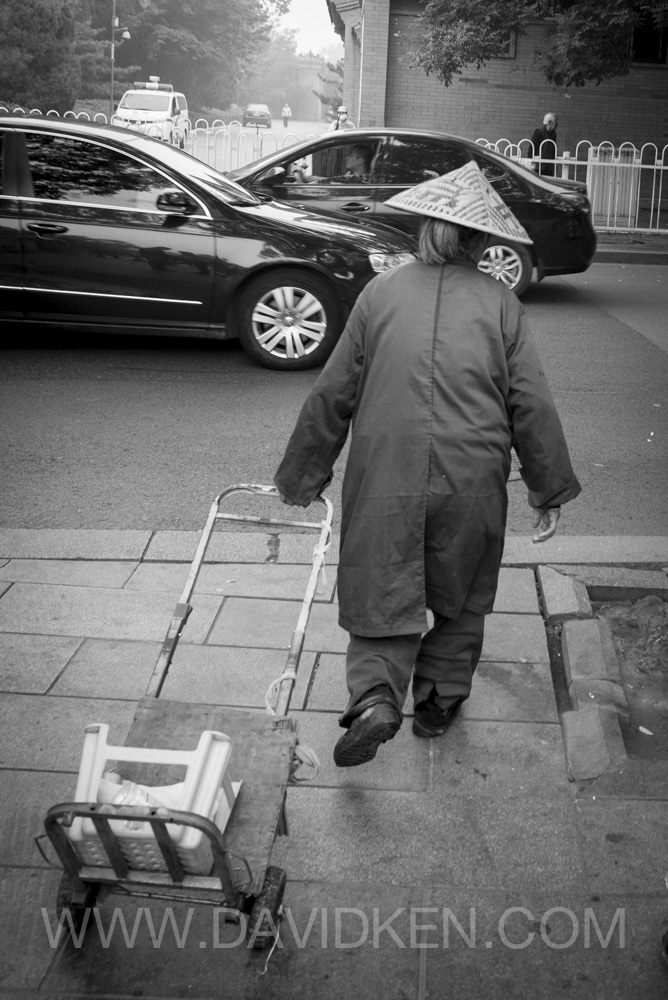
pixel 146 102
pixel 256 109
pixel 229 191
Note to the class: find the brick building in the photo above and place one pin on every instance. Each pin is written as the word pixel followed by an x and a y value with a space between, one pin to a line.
pixel 506 98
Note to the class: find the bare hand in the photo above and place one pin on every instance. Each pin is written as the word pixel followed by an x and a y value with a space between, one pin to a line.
pixel 545 519
pixel 285 500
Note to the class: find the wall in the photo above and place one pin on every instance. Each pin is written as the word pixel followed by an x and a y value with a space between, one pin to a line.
pixel 506 98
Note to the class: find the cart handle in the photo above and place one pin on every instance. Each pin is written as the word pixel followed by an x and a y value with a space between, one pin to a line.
pixel 183 608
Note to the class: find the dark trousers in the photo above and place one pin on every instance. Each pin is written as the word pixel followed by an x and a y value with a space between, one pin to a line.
pixel 444 659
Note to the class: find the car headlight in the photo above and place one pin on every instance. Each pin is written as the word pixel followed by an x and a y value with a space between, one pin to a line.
pixel 384 261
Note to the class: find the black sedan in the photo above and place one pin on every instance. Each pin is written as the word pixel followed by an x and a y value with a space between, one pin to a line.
pixel 103 229
pixel 313 174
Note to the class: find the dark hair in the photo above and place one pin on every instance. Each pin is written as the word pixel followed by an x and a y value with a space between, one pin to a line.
pixel 442 242
pixel 364 152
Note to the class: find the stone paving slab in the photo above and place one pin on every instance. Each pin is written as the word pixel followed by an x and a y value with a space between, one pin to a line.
pixel 269 580
pixel 31 793
pixel 67 543
pixel 109 668
pixel 45 733
pixel 220 675
pixel 515 946
pixel 620 844
pixel 455 840
pixel 515 638
pixel 270 624
pixel 70 572
pixel 500 759
pixel 512 692
pixel 318 959
pixel 402 765
pixel 517 592
pixel 634 550
pixel 562 596
pixel 240 546
pixel 31 663
pixel 102 614
pixel 263 623
pixel 519 692
pixel 610 583
pixel 26 953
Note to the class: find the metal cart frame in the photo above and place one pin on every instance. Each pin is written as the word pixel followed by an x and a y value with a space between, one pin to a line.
pixel 231 885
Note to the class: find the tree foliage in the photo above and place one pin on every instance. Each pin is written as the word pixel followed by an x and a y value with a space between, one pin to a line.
pixel 587 40
pixel 202 47
pixel 331 96
pixel 38 65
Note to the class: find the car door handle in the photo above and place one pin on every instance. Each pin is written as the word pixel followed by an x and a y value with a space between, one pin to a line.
pixel 355 206
pixel 46 228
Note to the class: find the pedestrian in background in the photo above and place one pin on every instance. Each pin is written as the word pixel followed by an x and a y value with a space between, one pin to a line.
pixel 342 121
pixel 438 375
pixel 544 142
pixel 287 114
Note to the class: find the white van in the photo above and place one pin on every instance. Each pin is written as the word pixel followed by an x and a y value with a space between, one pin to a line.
pixel 156 109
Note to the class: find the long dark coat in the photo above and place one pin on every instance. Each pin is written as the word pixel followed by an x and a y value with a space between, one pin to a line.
pixel 438 373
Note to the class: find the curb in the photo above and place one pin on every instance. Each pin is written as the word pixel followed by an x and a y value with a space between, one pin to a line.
pixel 591 728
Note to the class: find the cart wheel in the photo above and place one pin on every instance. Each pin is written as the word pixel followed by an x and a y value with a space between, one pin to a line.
pixel 267 902
pixel 664 941
pixel 75 900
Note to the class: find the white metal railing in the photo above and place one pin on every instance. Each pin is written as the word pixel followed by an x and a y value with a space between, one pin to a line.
pixel 220 144
pixel 627 185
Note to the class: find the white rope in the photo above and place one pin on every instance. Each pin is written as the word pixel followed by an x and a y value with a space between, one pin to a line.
pixel 320 550
pixel 271 696
pixel 304 757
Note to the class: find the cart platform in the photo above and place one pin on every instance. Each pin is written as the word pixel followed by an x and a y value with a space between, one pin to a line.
pixel 263 753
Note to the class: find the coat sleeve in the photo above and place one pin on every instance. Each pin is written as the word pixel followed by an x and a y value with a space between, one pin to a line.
pixel 323 423
pixel 538 436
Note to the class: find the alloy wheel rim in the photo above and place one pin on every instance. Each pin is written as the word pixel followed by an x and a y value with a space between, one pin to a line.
pixel 289 322
pixel 502 263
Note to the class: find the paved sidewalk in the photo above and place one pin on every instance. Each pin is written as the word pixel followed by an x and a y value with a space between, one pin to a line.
pixel 481 864
pixel 631 248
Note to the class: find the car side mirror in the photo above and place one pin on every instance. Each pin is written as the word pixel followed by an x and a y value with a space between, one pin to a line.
pixel 273 176
pixel 175 202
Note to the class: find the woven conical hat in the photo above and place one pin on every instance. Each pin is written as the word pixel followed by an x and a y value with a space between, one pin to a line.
pixel 466 197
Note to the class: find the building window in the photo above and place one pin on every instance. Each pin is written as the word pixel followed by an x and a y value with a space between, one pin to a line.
pixel 649 44
pixel 508 47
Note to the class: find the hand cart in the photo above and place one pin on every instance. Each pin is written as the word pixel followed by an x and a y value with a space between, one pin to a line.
pixel 182 854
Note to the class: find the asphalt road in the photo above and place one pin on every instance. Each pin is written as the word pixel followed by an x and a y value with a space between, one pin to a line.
pixel 142 433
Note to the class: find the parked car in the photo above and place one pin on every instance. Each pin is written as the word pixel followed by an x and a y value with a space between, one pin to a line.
pixel 556 213
pixel 156 109
pixel 107 230
pixel 257 114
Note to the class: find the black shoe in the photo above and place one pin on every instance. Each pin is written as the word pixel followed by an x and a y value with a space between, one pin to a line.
pixel 429 720
pixel 367 731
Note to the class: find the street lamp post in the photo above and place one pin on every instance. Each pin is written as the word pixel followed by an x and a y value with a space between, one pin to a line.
pixel 125 34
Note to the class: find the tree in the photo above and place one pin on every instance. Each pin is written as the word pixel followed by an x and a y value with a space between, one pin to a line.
pixel 588 40
pixel 202 47
pixel 38 65
pixel 331 97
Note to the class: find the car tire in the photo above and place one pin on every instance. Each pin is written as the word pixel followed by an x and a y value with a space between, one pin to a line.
pixel 288 320
pixel 508 262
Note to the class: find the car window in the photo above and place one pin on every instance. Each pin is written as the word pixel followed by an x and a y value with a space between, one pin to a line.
pixel 335 163
pixel 65 169
pixel 145 101
pixel 410 160
pixel 503 179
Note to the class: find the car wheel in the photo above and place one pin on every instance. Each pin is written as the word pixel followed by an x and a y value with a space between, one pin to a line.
pixel 508 262
pixel 288 320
